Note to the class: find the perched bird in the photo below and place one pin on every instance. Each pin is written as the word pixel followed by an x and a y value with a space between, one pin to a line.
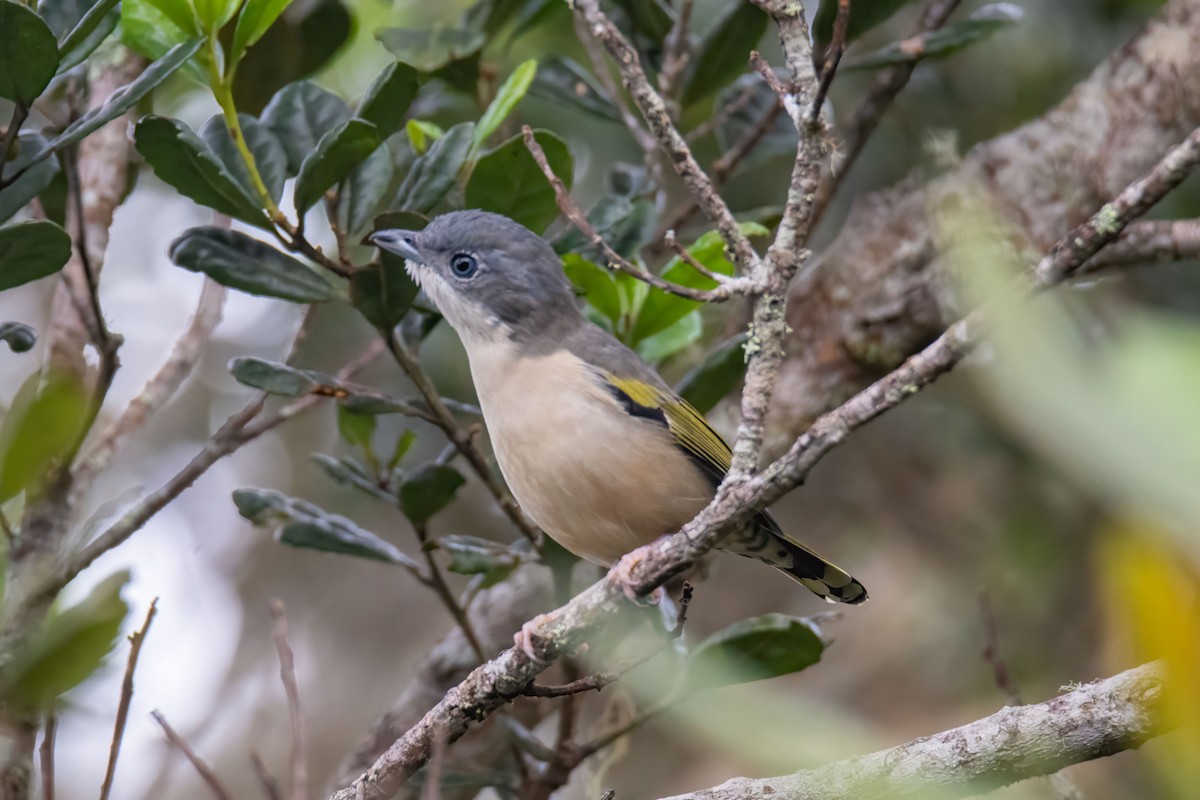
pixel 594 445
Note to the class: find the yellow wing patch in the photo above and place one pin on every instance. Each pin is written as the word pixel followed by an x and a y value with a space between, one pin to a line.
pixel 690 428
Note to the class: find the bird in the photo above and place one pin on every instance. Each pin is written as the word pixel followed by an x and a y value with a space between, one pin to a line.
pixel 594 445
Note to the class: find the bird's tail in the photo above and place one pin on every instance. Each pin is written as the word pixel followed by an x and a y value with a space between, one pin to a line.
pixel 768 543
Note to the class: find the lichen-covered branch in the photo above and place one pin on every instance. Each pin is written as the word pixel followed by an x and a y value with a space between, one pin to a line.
pixel 1093 721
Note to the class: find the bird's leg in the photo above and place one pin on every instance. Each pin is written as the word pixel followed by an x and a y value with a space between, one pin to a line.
pixel 524 638
pixel 621 574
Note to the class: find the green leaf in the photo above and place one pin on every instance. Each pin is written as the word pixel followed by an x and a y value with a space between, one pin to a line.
pixel 256 17
pixel 421 134
pixel 470 555
pixel 300 42
pixel 365 192
pixel 978 26
pixel 300 115
pixel 92 29
pixel 755 649
pixel 650 18
pixel 430 49
pixel 723 54
pixel 671 339
pixel 179 157
pixel 338 152
pixel 20 337
pixel 383 291
pixel 597 286
pixel 31 250
pixel 233 259
pixel 404 443
pixel 564 82
pixel 510 93
pixel 69 648
pixel 863 17
pixel 427 490
pixel 273 377
pixel 716 376
pixel 154 27
pixel 301 524
pixel 350 473
pixel 28 53
pixel 42 428
pixel 356 429
pixel 433 173
pixel 213 14
pixel 388 97
pixel 38 174
pixel 269 158
pixel 508 181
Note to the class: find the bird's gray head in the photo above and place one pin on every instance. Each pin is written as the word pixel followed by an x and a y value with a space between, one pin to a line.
pixel 488 275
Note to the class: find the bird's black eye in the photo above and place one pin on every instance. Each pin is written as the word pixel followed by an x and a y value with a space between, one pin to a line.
pixel 463 265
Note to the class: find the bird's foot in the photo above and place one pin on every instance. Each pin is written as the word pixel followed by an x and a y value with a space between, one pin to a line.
pixel 622 576
pixel 524 639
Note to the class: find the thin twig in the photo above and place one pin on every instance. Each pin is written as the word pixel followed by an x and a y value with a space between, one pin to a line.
pixel 46 756
pixel 676 55
pixel 1148 242
pixel 683 255
pixel 728 288
pixel 268 783
pixel 136 640
pixel 206 774
pixel 593 682
pixel 287 675
pixel 433 773
pixel 834 55
pixel 437 581
pixel 991 652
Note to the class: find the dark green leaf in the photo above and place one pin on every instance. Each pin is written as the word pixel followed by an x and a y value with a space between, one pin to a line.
pixel 383 291
pixel 755 649
pixel 511 92
pixel 564 82
pixel 256 17
pixel 433 173
pixel 508 181
pixel 69 647
pixel 300 115
pixel 38 174
pixel 269 158
pixel 944 41
pixel 650 18
pixel 154 27
pixel 338 152
pixel 625 224
pixel 470 555
pixel 863 17
pixel 300 42
pixel 430 49
pixel 356 429
pixel 725 50
pixel 40 430
pixel 272 377
pixel 388 98
pixel 20 337
pixel 302 524
pixel 716 376
pixel 31 250
pixel 233 259
pixel 179 157
pixel 746 102
pixel 427 490
pixel 28 53
pixel 92 29
pixel 350 473
pixel 597 286
pixel 365 191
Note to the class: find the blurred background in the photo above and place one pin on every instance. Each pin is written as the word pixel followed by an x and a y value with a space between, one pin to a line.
pixel 938 504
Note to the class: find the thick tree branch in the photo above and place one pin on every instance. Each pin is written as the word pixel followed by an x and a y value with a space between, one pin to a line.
pixel 1093 721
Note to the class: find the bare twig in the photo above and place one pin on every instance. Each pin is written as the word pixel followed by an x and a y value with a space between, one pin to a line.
pixel 866 116
pixel 1094 721
pixel 437 581
pixel 682 253
pixel 287 675
pixel 654 111
pixel 136 640
pixel 268 783
pixel 832 56
pixel 676 55
pixel 1148 242
pixel 46 756
pixel 991 652
pixel 727 289
pixel 206 774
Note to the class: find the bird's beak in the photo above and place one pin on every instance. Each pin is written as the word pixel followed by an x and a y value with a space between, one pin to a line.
pixel 402 243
